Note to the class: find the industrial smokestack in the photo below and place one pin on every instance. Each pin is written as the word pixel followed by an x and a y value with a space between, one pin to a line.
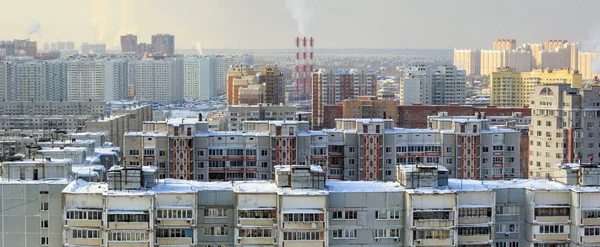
pixel 200 117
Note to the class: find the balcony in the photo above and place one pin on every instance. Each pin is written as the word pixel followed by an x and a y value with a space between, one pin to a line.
pixel 174 222
pixel 304 243
pixel 128 220
pixel 474 220
pixel 552 214
pixel 257 241
pixel 188 241
pixel 590 221
pixel 257 221
pixel 85 242
pixel 84 223
pixel 128 225
pixel 433 242
pixel 433 223
pixel 551 237
pixel 128 244
pixel 590 239
pixel 474 238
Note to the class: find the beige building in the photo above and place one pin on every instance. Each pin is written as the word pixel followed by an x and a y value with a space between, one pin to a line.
pixel 585 64
pixel 564 127
pixel 274 82
pixel 235 74
pixel 505 44
pixel 468 60
pixel 491 60
pixel 120 122
pixel 53 108
pixel 369 107
pixel 237 114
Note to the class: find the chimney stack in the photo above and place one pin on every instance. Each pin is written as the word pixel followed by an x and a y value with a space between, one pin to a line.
pixel 200 117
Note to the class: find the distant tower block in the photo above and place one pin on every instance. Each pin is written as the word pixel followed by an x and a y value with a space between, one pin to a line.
pixel 304 66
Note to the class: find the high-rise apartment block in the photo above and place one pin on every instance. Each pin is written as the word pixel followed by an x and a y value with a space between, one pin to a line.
pixel 239 77
pixel 25 47
pixel 564 127
pixel 468 60
pixel 98 49
pixel 163 44
pixel 118 75
pixel 85 80
pixel 331 87
pixel 505 44
pixel 551 45
pixel 33 80
pixel 512 89
pixel 274 84
pixel 200 77
pixel 129 43
pixel 491 60
pixel 585 65
pixel 159 80
pixel 441 85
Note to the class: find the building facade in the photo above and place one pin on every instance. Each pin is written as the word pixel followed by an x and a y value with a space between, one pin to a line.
pixel 512 89
pixel 163 44
pixel 159 80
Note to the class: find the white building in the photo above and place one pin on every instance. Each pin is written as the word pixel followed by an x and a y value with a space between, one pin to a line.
pixel 200 77
pixel 468 60
pixel 519 60
pixel 491 60
pixel 118 74
pixel 159 80
pixel 223 63
pixel 33 80
pixel 98 49
pixel 85 80
pixel 428 85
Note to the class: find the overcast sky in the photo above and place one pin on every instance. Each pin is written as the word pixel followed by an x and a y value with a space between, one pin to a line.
pixel 267 24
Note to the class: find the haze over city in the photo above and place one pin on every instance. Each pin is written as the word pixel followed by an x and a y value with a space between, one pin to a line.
pixel 268 24
pixel 300 123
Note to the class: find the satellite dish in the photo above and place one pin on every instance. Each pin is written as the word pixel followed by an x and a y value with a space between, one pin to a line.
pixel 313 225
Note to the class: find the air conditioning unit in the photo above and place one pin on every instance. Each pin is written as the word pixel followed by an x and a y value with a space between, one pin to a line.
pixel 507 234
pixel 239 240
pixel 157 221
pixel 376 240
pixel 418 241
pixel 189 221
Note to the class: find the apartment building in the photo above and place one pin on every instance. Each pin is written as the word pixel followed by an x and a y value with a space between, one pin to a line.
pixel 363 107
pixel 194 152
pixel 331 87
pixel 239 77
pixel 31 194
pixel 53 108
pixel 199 78
pixel 512 89
pixel 121 121
pixel 441 85
pixel 237 114
pixel 159 80
pixel 85 80
pixel 564 127
pixel 505 44
pixel 370 149
pixel 33 80
pixel 118 75
pixel 274 82
pixel 585 64
pixel 468 60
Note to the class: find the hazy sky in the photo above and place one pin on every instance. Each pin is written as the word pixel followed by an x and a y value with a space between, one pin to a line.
pixel 266 24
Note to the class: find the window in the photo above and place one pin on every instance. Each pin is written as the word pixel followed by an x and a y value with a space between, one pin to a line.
pixel 433 215
pixel 507 210
pixel 344 215
pixel 86 233
pixel 432 234
pixel 510 148
pixel 44 224
pixel 255 233
pixel 302 236
pixel 507 228
pixel 128 217
pixel 134 152
pixel 401 149
pixel 473 231
pixel 553 229
pixel 550 245
pixel 215 213
pixel 343 233
pixel 44 206
pixel 174 214
pixel 388 149
pixel 552 211
pixel 591 214
pixel 387 214
pixel 485 149
pixel 449 149
pixel 303 217
pixel 162 153
pixel 498 159
pixel 257 214
pixel 128 236
pixel 148 152
pixel 174 233
pixel 44 241
pixel 264 152
pixel 474 212
pixel 84 215
pixel 216 231
pixel 507 244
pixel 351 150
pixel 498 148
pixel 591 231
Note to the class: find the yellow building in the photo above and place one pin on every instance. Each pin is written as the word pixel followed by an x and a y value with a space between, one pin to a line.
pixel 130 91
pixel 511 89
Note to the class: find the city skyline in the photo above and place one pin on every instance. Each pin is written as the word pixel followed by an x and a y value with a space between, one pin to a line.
pixel 229 24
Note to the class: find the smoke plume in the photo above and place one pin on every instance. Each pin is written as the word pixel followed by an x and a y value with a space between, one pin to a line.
pixel 99 19
pixel 303 12
pixel 33 28
pixel 593 45
pixel 126 20
pixel 199 48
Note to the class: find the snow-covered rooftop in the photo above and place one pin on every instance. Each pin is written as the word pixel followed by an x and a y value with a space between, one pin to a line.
pixel 362 186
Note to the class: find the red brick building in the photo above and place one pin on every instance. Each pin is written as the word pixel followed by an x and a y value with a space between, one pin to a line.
pixel 415 116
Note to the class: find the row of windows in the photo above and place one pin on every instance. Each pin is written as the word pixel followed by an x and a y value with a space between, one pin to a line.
pixel 84 215
pixel 215 212
pixel 174 214
pixel 552 229
pixel 256 233
pixel 128 236
pixel 387 214
pixel 174 233
pixel 128 218
pixel 303 217
pixel 475 212
pixel 344 215
pixel 443 215
pixel 473 231
pixel 591 214
pixel 432 234
pixel 500 210
pixel 303 236
pixel 83 233
pixel 343 234
pixel 257 214
pixel 552 211
pixel 216 231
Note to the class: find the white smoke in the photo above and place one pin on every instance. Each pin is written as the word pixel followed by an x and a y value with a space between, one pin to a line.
pixel 303 12
pixel 199 48
pixel 126 19
pixel 593 45
pixel 99 19
pixel 33 28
